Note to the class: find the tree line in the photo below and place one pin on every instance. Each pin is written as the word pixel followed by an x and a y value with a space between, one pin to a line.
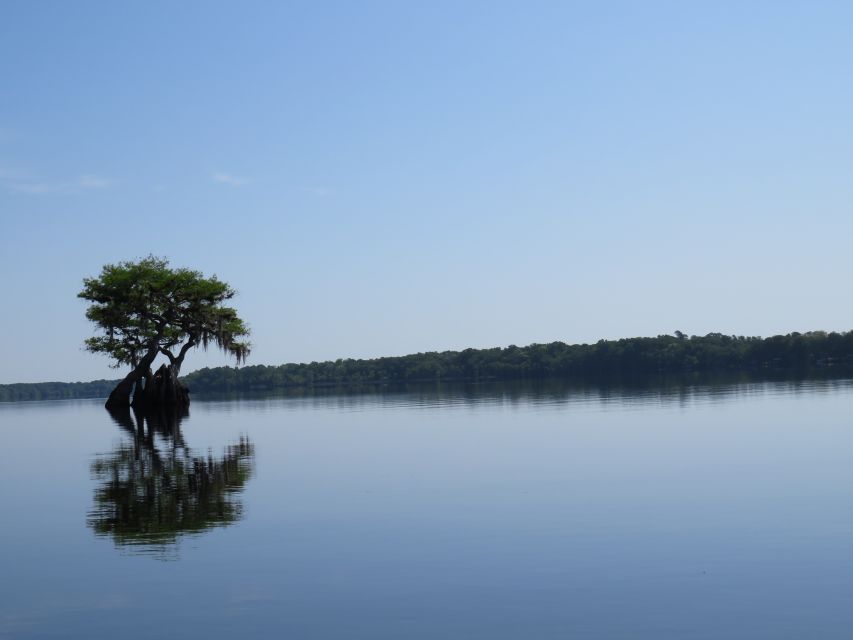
pixel 55 390
pixel 605 359
pixel 629 357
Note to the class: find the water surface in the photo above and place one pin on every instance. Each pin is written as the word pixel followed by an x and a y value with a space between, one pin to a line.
pixel 481 512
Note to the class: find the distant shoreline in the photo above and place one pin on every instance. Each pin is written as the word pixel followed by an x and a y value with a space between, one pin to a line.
pixel 603 361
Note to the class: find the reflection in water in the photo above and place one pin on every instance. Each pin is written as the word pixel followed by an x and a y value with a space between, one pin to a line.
pixel 706 510
pixel 617 393
pixel 152 488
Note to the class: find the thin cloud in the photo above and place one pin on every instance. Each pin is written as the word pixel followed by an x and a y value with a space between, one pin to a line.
pixel 230 180
pixel 18 183
pixel 31 187
pixel 319 192
pixel 94 182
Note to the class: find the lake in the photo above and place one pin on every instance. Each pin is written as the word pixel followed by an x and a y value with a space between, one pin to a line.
pixel 495 511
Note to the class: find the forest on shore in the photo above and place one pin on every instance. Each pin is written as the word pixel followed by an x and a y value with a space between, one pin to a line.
pixel 603 360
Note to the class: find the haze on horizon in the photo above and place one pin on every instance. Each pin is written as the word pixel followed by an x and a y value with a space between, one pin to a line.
pixel 381 179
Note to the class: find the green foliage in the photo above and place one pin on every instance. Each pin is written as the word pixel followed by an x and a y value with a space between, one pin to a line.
pixel 146 307
pixel 55 390
pixel 606 359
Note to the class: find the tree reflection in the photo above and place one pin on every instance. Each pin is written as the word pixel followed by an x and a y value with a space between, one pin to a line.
pixel 152 489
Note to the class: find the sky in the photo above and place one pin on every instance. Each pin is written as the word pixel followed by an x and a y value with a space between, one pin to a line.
pixel 384 178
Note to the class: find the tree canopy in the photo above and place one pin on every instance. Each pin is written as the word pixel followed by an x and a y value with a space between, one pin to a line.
pixel 145 308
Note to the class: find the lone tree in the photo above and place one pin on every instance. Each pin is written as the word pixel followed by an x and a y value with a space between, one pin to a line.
pixel 145 308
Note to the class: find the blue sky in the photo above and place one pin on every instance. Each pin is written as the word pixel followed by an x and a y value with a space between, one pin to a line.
pixel 386 178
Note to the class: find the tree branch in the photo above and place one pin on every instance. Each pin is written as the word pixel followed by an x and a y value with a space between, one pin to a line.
pixel 168 354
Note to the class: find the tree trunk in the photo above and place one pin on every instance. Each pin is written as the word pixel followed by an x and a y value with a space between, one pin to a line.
pixel 153 390
pixel 120 396
pixel 165 390
pixel 142 385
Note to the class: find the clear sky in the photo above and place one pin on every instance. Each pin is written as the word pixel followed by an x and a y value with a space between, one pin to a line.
pixel 382 178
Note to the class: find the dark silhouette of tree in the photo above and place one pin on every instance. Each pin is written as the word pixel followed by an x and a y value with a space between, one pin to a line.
pixel 143 309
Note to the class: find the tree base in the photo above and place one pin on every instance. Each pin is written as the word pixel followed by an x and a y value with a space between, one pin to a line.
pixel 151 391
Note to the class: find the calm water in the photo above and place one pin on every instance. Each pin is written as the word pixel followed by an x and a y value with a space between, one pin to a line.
pixel 692 512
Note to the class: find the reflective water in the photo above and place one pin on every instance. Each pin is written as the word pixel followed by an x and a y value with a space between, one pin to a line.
pixel 493 512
